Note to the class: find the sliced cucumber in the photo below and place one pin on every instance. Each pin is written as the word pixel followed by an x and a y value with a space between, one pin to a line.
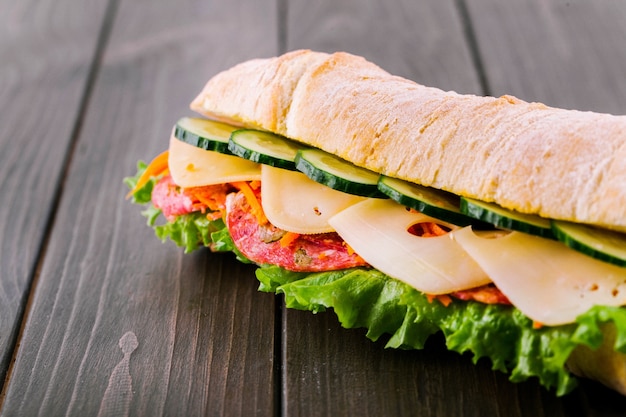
pixel 430 201
pixel 204 134
pixel 338 173
pixel 265 148
pixel 602 244
pixel 507 219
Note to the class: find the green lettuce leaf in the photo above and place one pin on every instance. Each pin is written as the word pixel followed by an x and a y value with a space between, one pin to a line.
pixel 367 298
pixel 384 306
pixel 191 231
pixel 223 242
pixel 144 194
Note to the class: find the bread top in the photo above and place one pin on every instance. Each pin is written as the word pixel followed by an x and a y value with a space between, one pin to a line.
pixel 560 164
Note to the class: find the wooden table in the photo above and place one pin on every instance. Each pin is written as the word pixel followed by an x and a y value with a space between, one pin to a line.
pixel 98 317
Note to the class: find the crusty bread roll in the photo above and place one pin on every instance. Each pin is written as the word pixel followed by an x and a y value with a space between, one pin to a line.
pixel 561 164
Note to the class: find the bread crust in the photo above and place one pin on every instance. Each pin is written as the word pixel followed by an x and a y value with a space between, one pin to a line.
pixel 560 164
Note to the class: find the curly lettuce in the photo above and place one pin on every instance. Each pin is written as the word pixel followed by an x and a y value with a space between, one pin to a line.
pixel 385 306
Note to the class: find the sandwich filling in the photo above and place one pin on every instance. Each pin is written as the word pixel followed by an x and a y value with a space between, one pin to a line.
pixel 393 270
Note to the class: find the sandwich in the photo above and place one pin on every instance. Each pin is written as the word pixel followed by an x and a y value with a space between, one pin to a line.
pixel 409 210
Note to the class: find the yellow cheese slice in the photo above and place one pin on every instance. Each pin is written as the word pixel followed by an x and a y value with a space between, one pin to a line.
pixel 378 231
pixel 294 202
pixel 546 280
pixel 194 167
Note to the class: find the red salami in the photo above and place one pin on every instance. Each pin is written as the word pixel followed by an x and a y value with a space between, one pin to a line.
pixel 170 199
pixel 263 244
pixel 175 201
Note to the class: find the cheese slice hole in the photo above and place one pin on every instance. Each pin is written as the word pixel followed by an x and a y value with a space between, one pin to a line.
pixel 428 229
pixel 378 230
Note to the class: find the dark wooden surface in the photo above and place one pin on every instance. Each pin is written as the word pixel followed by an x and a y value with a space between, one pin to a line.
pixel 97 317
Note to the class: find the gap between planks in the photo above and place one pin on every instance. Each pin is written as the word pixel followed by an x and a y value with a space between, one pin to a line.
pixel 96 61
pixel 472 46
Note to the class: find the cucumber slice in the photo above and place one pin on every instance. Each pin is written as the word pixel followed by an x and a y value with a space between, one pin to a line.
pixel 430 201
pixel 507 219
pixel 204 134
pixel 265 148
pixel 602 244
pixel 338 173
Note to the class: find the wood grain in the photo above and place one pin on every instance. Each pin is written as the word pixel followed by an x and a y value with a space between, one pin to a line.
pixel 423 41
pixel 563 53
pixel 334 371
pixel 121 324
pixel 338 372
pixel 204 336
pixel 46 51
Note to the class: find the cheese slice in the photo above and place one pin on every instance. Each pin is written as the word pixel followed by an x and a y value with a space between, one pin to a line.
pixel 546 280
pixel 294 202
pixel 194 167
pixel 378 231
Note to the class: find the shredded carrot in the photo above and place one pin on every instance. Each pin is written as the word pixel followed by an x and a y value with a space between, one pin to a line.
pixel 427 229
pixel 288 239
pixel 537 325
pixel 156 167
pixel 486 294
pixel 442 298
pixel 255 206
pixel 348 248
pixel 438 230
pixel 214 215
pixel 445 300
pixel 212 197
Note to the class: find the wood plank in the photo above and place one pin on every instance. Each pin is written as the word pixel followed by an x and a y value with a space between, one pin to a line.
pixel 120 323
pixel 330 370
pixel 423 42
pixel 337 371
pixel 46 52
pixel 563 53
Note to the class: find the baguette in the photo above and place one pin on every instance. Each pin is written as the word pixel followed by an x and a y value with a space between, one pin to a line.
pixel 560 164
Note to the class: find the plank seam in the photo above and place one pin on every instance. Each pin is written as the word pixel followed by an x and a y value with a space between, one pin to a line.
pixel 92 73
pixel 280 334
pixel 282 9
pixel 472 43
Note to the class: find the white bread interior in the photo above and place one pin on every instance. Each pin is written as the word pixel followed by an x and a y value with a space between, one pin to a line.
pixel 560 164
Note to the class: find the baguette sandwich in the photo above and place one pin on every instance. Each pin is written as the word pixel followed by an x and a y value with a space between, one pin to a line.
pixel 409 210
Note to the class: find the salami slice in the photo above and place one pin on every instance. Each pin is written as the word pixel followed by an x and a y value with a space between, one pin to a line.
pixel 170 198
pixel 174 201
pixel 264 244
